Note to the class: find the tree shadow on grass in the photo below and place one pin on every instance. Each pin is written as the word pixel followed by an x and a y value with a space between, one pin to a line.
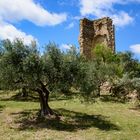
pixel 136 108
pixel 110 98
pixel 19 98
pixel 1 108
pixel 69 121
pixel 34 98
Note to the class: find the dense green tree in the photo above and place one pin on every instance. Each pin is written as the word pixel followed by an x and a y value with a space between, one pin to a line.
pixel 24 67
pixel 100 69
pixel 119 70
pixel 129 71
pixel 21 66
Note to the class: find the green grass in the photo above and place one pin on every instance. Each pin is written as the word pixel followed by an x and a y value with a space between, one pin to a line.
pixel 97 121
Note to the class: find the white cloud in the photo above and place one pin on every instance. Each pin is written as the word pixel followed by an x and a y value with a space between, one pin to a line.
pixel 122 19
pixel 67 2
pixel 71 25
pixel 17 10
pixel 135 48
pixel 102 8
pixel 8 31
pixel 77 17
pixel 64 47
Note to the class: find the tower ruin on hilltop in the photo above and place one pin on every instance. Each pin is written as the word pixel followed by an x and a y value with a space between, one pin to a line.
pixel 95 32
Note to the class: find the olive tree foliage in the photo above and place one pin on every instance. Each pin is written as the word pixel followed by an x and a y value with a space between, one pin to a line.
pixel 61 67
pixel 100 69
pixel 120 70
pixel 11 64
pixel 130 75
pixel 129 64
pixel 23 66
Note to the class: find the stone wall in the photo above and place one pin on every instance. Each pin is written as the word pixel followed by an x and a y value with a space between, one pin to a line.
pixel 95 32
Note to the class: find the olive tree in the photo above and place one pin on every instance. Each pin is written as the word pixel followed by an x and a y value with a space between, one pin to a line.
pixel 24 66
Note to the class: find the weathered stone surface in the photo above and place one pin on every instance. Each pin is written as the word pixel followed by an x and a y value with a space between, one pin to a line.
pixel 95 32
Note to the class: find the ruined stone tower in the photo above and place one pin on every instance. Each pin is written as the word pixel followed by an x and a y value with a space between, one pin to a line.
pixel 95 32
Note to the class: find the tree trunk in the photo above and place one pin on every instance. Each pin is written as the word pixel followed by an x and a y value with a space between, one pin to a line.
pixel 44 97
pixel 24 92
pixel 98 91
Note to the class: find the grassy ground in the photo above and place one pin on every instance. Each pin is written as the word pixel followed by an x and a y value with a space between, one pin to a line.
pixel 97 121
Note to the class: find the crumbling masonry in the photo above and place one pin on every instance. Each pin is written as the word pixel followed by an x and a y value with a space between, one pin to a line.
pixel 95 32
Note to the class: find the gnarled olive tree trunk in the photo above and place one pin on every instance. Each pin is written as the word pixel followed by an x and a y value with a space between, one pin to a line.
pixel 24 92
pixel 44 97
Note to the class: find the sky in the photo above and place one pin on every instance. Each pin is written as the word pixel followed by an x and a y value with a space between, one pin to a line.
pixel 58 21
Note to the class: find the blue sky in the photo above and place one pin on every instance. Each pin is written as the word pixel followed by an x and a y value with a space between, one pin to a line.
pixel 58 21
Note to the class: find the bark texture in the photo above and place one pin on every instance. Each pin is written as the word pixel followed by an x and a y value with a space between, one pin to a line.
pixel 44 98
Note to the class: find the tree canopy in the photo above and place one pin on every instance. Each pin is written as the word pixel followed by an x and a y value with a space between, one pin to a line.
pixel 24 67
